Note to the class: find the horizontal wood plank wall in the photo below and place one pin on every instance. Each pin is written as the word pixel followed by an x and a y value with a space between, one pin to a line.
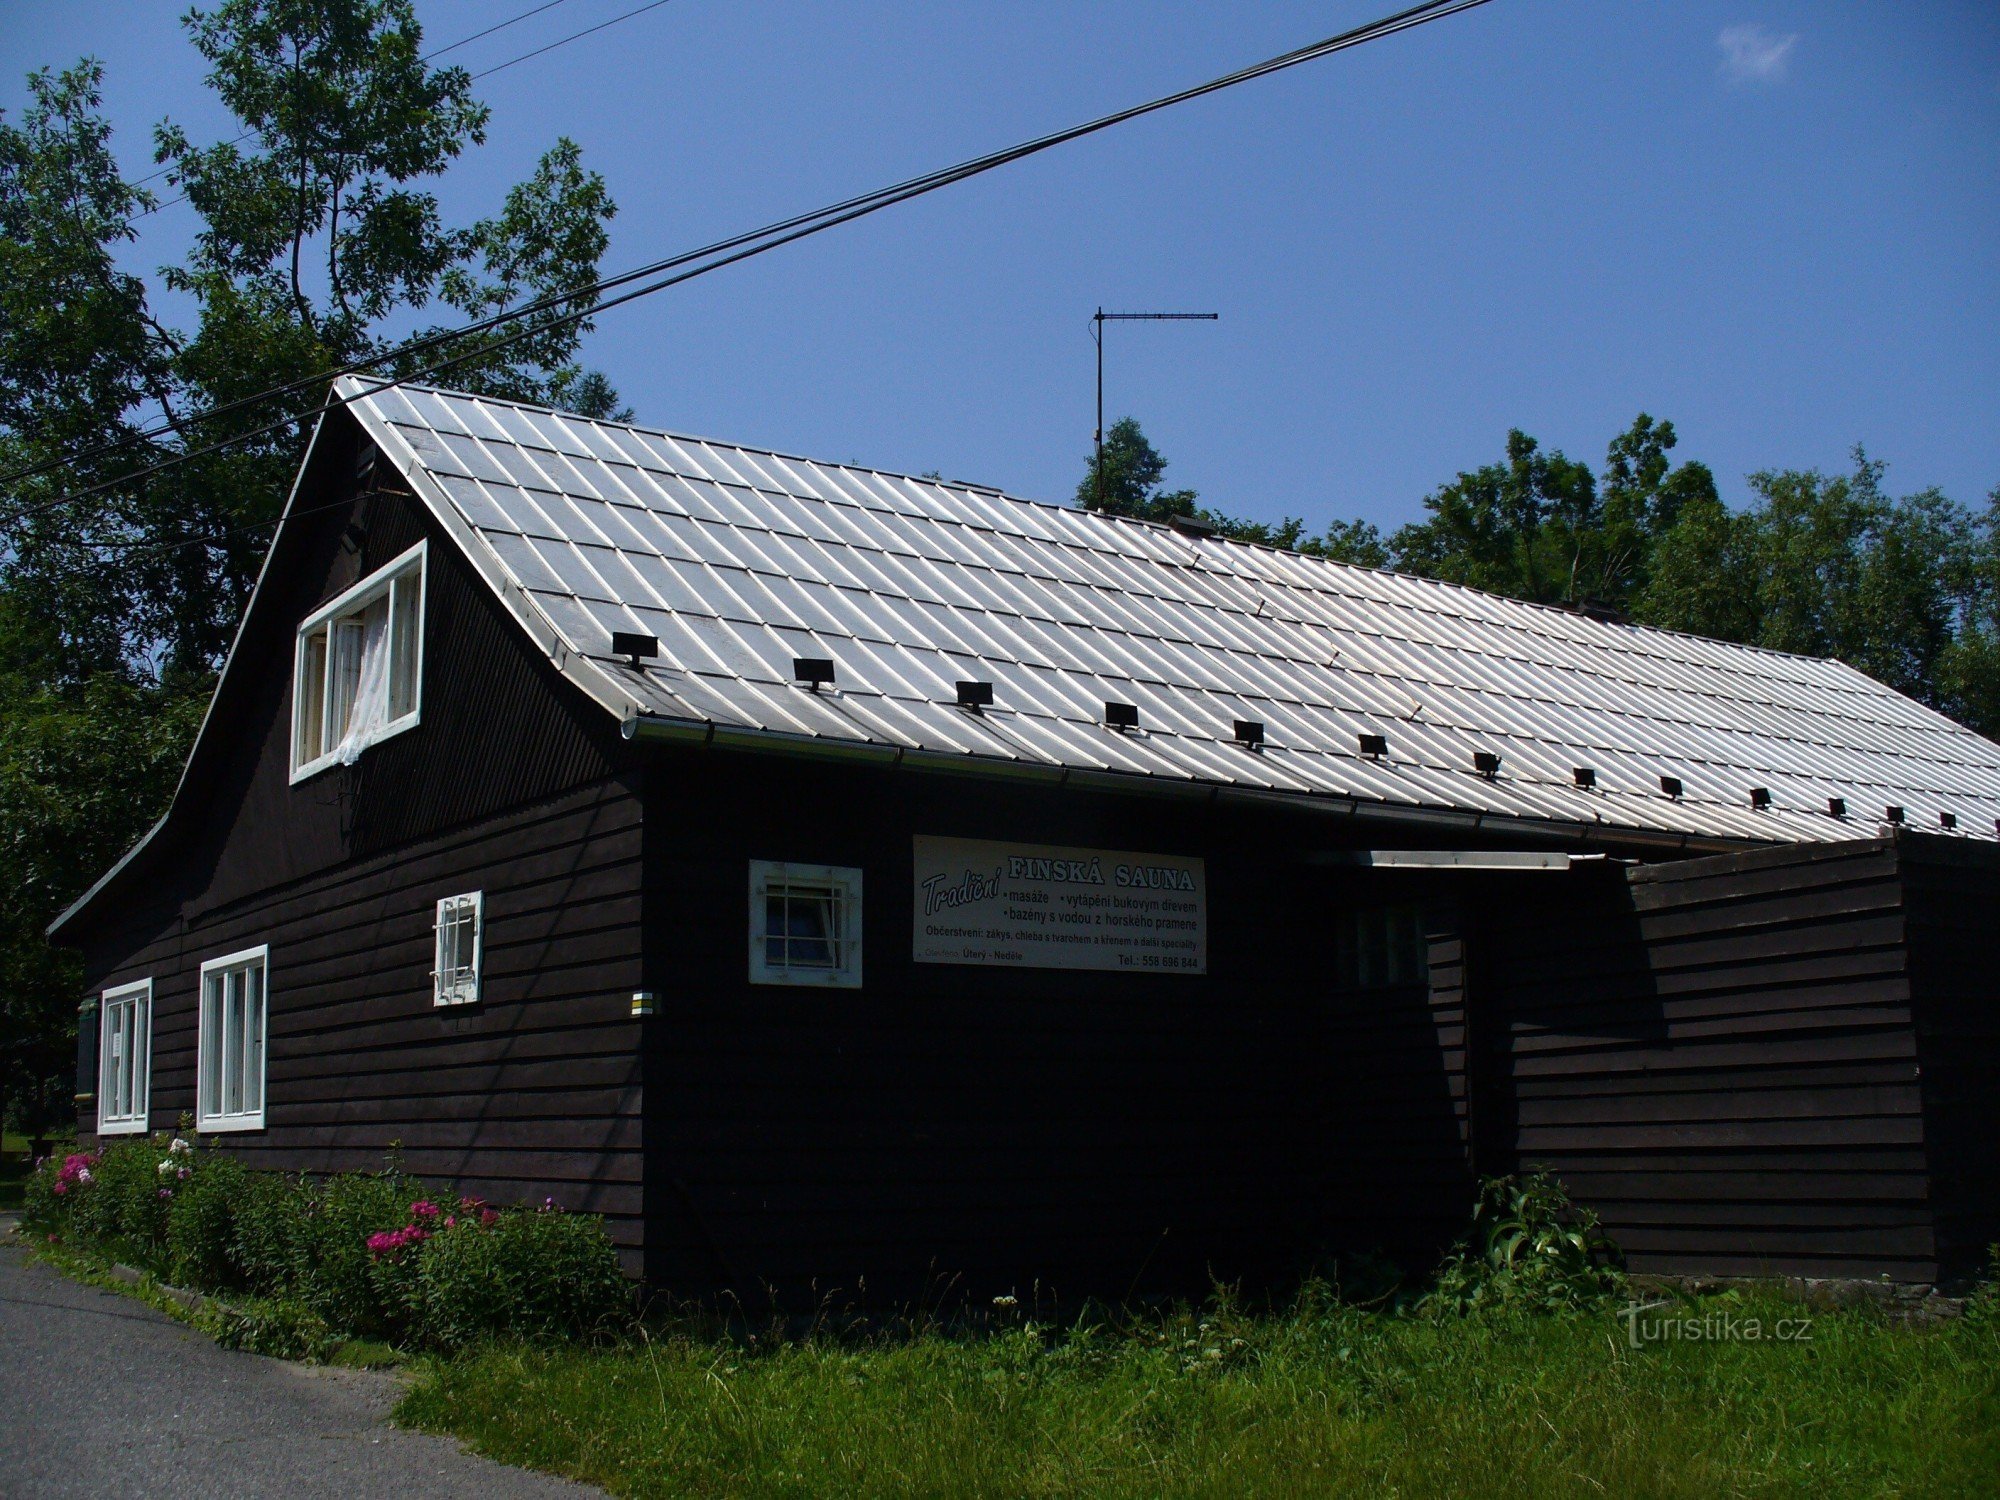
pixel 532 1092
pixel 1952 889
pixel 1718 1056
pixel 947 1130
pixel 511 784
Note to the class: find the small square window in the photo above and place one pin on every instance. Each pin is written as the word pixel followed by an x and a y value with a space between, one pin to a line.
pixel 234 1004
pixel 805 924
pixel 1383 947
pixel 460 921
pixel 125 1059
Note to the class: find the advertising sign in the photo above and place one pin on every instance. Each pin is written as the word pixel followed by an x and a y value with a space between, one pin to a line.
pixel 1041 906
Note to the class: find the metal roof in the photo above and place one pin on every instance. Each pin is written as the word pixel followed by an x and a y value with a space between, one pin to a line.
pixel 741 560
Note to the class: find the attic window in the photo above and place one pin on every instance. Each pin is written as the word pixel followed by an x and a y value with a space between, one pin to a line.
pixel 358 674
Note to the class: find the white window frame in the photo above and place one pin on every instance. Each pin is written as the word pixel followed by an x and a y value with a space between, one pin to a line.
pixel 413 563
pixel 214 1039
pixel 135 1003
pixel 452 987
pixel 845 971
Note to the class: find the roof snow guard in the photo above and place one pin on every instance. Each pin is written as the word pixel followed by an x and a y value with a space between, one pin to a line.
pixel 742 562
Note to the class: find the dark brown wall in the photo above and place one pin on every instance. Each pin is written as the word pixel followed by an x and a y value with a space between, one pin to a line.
pixel 1952 903
pixel 511 785
pixel 1718 1055
pixel 989 1130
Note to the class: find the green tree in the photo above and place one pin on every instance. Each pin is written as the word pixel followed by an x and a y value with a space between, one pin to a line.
pixel 1131 486
pixel 1907 590
pixel 318 234
pixel 1126 480
pixel 1530 528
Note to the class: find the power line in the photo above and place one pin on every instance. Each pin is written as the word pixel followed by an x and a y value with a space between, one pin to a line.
pixel 564 42
pixel 500 67
pixel 464 41
pixel 880 198
pixel 742 247
pixel 146 434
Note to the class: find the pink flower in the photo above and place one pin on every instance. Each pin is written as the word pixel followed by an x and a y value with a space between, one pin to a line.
pixel 166 1192
pixel 182 1174
pixel 488 1218
pixel 60 1188
pixel 451 1221
pixel 423 1208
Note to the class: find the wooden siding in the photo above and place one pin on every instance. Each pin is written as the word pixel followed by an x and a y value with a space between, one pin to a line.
pixel 994 1130
pixel 1952 899
pixel 511 785
pixel 1718 1055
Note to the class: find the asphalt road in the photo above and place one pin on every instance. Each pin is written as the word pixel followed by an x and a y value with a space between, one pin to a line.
pixel 101 1396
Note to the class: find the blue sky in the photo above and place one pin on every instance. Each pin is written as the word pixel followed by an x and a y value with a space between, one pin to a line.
pixel 1777 224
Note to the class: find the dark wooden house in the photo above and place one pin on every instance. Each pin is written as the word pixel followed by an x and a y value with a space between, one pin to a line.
pixel 842 879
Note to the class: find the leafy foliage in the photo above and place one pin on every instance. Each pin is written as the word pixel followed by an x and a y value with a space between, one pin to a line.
pixel 320 244
pixel 305 1261
pixel 1907 590
pixel 1530 1249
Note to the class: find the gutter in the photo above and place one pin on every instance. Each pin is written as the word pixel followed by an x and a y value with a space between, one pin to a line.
pixel 703 734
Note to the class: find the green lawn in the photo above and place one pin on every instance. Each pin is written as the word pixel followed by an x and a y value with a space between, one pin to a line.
pixel 1327 1401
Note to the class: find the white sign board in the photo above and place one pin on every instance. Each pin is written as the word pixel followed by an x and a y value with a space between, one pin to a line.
pixel 1039 906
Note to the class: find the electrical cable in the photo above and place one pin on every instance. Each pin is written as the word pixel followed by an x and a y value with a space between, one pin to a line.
pixel 483 73
pixel 464 41
pixel 881 197
pixel 757 242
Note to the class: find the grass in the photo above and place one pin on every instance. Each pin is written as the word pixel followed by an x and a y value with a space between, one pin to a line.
pixel 1324 1400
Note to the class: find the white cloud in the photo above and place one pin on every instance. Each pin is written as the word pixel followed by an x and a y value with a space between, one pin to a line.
pixel 1752 54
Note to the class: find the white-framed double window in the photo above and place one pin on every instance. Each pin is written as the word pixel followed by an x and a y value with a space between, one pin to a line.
pixel 805 924
pixel 235 1001
pixel 461 922
pixel 125 1058
pixel 358 674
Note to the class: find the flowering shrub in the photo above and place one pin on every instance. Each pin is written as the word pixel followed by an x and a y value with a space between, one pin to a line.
pixel 378 1255
pixel 540 1275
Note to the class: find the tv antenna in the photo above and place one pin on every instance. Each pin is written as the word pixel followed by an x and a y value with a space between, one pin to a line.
pixel 1097 322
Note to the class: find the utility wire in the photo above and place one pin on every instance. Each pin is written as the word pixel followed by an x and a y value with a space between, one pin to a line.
pixel 565 41
pixel 464 41
pixel 500 67
pixel 147 434
pixel 880 198
pixel 742 247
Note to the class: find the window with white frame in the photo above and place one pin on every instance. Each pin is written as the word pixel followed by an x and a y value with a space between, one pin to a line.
pixel 456 977
pixel 234 1001
pixel 805 924
pixel 125 1061
pixel 1382 947
pixel 358 676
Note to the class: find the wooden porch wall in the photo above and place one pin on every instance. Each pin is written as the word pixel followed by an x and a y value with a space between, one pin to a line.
pixel 1718 1055
pixel 1952 898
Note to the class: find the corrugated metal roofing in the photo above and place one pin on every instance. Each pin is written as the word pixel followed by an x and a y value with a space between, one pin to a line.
pixel 740 560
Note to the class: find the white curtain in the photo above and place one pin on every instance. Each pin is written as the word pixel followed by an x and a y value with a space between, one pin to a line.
pixel 371 687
